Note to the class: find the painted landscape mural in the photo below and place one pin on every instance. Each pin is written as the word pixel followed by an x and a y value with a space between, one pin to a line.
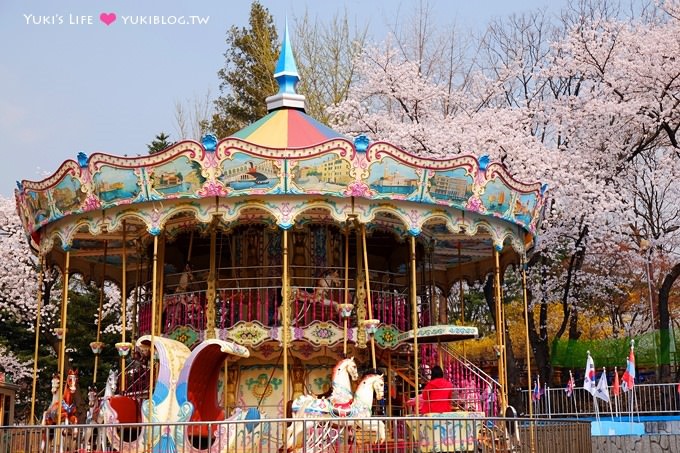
pixel 329 173
pixel 113 184
pixel 497 197
pixel 67 195
pixel 247 172
pixel 524 207
pixel 389 179
pixel 182 176
pixel 451 186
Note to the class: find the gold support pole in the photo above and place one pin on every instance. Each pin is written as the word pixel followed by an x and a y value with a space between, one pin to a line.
pixel 346 301
pixel 527 344
pixel 460 282
pixel 212 287
pixel 462 294
pixel 368 292
pixel 41 264
pixel 64 314
pixel 390 384
pixel 99 312
pixel 225 396
pixel 414 321
pixel 360 291
pixel 286 328
pixel 123 309
pixel 154 325
pixel 160 279
pixel 500 333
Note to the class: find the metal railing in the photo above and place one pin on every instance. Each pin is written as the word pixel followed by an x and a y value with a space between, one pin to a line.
pixel 440 433
pixel 645 399
pixel 254 294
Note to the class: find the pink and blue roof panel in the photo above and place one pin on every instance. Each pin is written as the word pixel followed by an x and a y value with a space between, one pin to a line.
pixel 287 128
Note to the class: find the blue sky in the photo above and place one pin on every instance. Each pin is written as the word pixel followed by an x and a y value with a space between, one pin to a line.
pixel 68 86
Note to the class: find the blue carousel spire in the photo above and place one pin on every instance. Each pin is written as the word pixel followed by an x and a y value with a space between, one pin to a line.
pixel 286 74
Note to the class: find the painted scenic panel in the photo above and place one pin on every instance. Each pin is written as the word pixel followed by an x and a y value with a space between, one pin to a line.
pixel 329 173
pixel 497 197
pixel 182 176
pixel 67 195
pixel 451 186
pixel 524 207
pixel 39 205
pixel 246 172
pixel 391 179
pixel 112 184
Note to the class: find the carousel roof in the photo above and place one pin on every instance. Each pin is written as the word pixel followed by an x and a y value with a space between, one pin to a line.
pixel 287 128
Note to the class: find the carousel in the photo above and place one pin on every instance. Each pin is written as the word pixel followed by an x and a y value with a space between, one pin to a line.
pixel 274 265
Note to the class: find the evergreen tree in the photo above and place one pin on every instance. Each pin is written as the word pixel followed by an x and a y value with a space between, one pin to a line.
pixel 248 75
pixel 160 143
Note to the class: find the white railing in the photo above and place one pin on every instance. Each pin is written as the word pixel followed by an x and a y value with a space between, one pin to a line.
pixel 444 432
pixel 646 399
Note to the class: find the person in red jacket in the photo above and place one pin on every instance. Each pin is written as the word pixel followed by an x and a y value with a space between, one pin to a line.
pixel 438 393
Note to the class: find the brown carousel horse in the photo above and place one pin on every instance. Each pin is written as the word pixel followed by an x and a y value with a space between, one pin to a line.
pixel 66 404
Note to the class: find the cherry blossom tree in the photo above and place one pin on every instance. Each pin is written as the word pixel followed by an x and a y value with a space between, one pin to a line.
pixel 555 102
pixel 18 309
pixel 628 109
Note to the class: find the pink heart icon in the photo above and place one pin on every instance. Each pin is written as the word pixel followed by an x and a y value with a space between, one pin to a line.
pixel 107 18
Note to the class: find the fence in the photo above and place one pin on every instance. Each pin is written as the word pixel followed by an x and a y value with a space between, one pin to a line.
pixel 646 399
pixel 441 433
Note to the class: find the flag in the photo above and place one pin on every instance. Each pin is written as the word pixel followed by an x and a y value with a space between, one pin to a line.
pixel 616 388
pixel 602 389
pixel 628 378
pixel 570 385
pixel 536 393
pixel 589 379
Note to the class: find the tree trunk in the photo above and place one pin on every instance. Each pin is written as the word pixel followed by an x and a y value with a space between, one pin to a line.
pixel 664 322
pixel 539 344
pixel 514 389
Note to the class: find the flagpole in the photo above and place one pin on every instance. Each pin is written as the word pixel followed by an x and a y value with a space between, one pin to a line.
pixel 616 391
pixel 535 394
pixel 573 392
pixel 611 411
pixel 632 387
pixel 589 384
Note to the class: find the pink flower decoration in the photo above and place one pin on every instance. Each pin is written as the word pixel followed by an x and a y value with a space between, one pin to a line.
pixel 474 204
pixel 92 203
pixel 358 189
pixel 212 189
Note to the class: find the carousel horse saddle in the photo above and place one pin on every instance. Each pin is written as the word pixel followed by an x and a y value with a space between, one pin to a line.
pixel 127 409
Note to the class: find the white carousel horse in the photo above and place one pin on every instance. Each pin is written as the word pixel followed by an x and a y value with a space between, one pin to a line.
pixel 95 414
pixel 363 402
pixel 55 400
pixel 360 409
pixel 318 295
pixel 341 397
pixel 50 412
pixel 91 417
